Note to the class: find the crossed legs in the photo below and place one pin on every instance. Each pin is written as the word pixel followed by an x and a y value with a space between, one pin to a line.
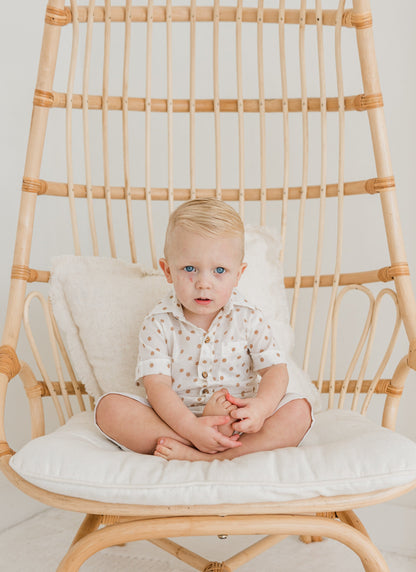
pixel 139 428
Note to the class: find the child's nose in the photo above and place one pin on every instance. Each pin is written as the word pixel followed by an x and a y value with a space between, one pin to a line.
pixel 203 280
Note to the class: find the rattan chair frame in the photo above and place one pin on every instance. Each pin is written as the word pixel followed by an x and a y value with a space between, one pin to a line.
pixel 331 517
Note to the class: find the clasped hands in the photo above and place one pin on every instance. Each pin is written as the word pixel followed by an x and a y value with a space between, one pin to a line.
pixel 249 415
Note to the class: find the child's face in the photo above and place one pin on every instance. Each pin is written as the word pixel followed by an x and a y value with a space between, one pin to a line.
pixel 204 272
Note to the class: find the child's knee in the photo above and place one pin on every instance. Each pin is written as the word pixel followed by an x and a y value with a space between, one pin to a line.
pixel 106 411
pixel 302 413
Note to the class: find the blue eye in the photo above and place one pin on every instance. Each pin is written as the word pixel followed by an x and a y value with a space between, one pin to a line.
pixel 220 270
pixel 189 268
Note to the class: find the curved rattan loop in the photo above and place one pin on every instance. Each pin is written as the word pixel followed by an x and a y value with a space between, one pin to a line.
pixel 57 17
pixel 9 362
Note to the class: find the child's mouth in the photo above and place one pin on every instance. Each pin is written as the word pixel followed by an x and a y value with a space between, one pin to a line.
pixel 202 301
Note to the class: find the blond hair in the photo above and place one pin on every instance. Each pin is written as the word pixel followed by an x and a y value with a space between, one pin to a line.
pixel 206 217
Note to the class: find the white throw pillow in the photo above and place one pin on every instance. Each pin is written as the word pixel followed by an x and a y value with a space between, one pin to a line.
pixel 99 305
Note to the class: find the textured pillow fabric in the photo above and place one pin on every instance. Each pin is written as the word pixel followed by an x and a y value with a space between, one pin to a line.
pixel 343 454
pixel 100 303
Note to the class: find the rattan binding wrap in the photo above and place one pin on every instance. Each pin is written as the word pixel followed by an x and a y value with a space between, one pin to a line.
pixel 58 17
pixel 9 362
pixel 24 273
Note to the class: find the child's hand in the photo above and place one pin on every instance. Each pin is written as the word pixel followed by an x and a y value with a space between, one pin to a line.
pixel 251 413
pixel 205 436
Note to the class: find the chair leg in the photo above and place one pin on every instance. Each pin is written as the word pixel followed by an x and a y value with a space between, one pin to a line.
pixel 90 523
pixel 146 529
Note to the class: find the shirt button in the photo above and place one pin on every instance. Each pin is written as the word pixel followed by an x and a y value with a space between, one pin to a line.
pixel 204 374
pixel 207 340
pixel 205 391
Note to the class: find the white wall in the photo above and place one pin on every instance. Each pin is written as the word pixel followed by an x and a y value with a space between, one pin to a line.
pixel 20 38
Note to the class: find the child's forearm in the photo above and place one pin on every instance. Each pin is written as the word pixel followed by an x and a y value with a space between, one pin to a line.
pixel 169 406
pixel 273 386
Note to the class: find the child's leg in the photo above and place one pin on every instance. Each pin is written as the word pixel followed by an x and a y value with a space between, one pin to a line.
pixel 132 424
pixel 219 405
pixel 285 428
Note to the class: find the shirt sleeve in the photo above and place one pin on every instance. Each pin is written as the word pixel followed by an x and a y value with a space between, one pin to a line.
pixel 153 356
pixel 263 348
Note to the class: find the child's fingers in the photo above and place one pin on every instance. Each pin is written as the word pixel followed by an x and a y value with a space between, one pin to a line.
pixel 227 442
pixel 235 400
pixel 213 420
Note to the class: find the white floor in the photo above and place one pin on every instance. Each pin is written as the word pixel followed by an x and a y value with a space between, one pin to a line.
pixel 39 543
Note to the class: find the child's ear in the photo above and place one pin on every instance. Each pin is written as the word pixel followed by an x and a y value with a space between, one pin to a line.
pixel 163 263
pixel 241 271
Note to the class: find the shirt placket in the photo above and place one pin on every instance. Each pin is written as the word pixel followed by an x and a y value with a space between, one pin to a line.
pixel 206 361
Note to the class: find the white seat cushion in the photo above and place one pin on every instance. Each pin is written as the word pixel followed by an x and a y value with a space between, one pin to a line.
pixel 343 454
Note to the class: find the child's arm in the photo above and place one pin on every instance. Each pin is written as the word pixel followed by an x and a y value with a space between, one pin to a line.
pixel 201 431
pixel 251 413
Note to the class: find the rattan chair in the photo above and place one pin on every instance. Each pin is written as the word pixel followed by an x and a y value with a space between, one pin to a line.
pixel 278 142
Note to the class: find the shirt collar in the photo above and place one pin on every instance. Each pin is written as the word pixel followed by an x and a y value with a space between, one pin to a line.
pixel 170 304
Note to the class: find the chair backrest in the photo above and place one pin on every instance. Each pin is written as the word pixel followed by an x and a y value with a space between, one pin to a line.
pixel 267 106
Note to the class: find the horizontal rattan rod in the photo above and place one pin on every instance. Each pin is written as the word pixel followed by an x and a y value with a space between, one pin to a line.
pixel 206 14
pixel 381 387
pixel 115 103
pixel 56 189
pixel 41 389
pixel 326 280
pixel 383 275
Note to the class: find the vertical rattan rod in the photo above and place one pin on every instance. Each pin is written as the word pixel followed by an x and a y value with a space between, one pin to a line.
pixel 148 131
pixel 126 147
pixel 217 100
pixel 69 142
pixel 340 209
pixel 239 58
pixel 106 154
pixel 371 84
pixel 85 88
pixel 192 100
pixel 286 148
pixel 34 153
pixel 322 194
pixel 170 102
pixel 260 67
pixel 305 160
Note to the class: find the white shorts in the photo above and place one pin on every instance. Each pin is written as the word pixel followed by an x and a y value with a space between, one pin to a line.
pixel 287 398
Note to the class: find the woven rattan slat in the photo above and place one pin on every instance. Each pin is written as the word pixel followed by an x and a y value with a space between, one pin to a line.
pixel 275 105
pixel 206 14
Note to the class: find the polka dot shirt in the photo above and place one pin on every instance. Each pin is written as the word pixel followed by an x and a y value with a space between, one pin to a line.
pixel 237 345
